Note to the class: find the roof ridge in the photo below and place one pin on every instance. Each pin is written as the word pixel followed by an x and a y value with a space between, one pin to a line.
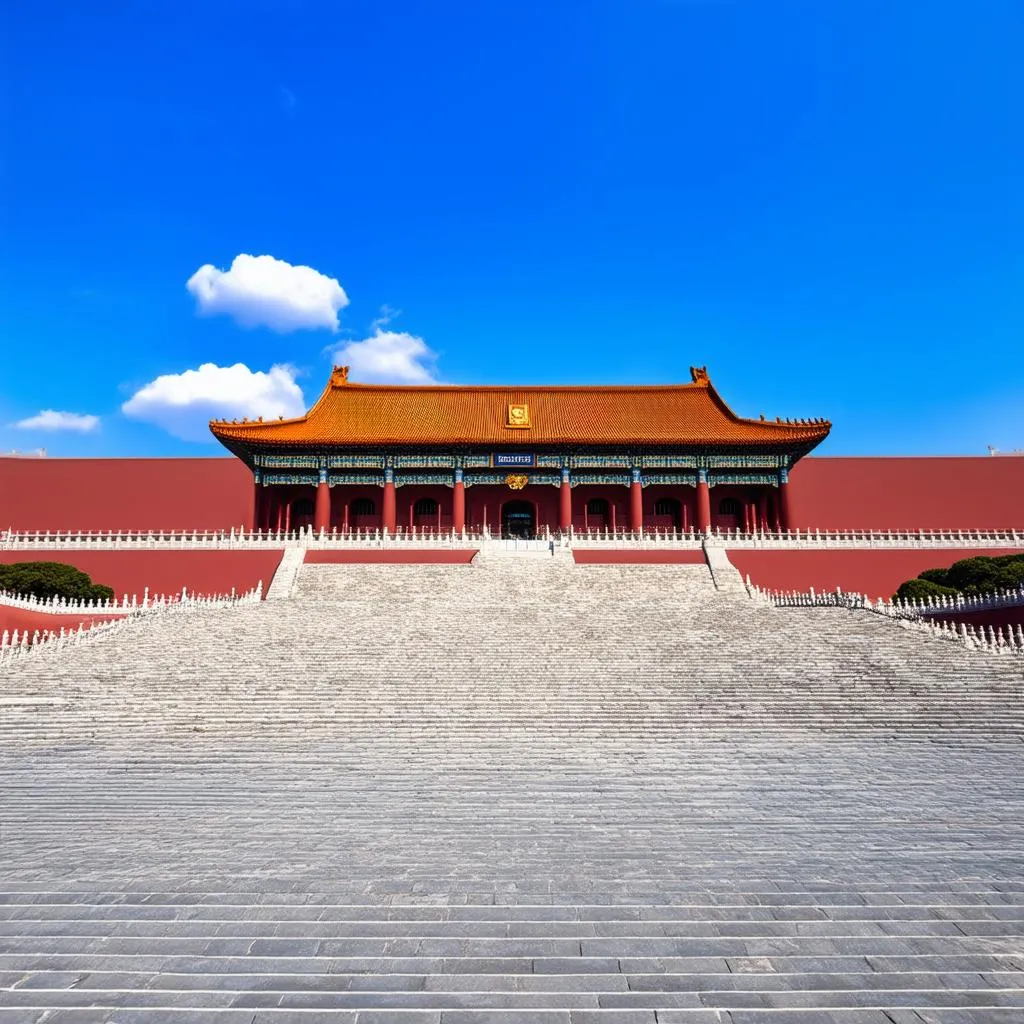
pixel 359 385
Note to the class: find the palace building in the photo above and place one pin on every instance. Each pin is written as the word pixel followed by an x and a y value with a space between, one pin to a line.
pixel 520 460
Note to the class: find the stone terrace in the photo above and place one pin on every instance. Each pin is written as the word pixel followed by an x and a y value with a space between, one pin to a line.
pixel 520 790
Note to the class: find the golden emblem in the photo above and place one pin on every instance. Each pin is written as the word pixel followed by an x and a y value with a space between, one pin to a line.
pixel 518 416
pixel 517 481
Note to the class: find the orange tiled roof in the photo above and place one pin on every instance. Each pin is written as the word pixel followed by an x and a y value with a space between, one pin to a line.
pixel 349 414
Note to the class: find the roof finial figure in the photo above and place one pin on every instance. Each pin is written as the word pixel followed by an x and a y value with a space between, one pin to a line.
pixel 339 375
pixel 699 374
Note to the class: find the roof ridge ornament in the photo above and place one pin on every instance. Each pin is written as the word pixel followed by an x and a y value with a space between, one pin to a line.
pixel 700 375
pixel 339 375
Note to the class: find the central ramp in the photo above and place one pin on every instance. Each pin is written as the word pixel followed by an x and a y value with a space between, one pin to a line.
pixel 515 790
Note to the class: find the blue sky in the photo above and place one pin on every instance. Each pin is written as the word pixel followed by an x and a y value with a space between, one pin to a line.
pixel 821 200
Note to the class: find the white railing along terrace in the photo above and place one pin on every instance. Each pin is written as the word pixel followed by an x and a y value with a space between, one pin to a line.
pixel 926 616
pixel 817 539
pixel 241 539
pixel 148 602
pixel 22 642
pixel 797 539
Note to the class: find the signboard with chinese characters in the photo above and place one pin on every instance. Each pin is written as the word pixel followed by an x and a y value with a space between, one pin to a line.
pixel 513 460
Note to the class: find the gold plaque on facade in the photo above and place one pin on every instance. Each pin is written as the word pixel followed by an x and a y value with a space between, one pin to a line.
pixel 518 416
pixel 517 481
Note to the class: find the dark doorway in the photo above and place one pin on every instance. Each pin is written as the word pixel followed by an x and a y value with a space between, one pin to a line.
pixel 363 514
pixel 598 514
pixel 302 513
pixel 668 514
pixel 518 519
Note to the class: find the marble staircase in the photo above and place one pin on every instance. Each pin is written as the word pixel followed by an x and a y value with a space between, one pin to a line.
pixel 519 790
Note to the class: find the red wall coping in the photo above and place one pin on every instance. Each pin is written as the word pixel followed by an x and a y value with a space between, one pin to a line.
pixel 391 556
pixel 598 556
pixel 164 572
pixel 874 572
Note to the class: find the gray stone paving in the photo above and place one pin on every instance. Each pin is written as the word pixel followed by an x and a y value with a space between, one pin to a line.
pixel 517 791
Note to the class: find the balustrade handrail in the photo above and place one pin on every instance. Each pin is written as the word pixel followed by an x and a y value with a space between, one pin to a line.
pixel 21 643
pixel 242 539
pixel 148 602
pixel 926 615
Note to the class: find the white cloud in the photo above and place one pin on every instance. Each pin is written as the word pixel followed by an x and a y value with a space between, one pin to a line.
pixel 50 419
pixel 385 316
pixel 184 403
pixel 389 357
pixel 261 291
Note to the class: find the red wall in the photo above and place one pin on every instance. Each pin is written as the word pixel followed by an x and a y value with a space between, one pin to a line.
pixel 20 619
pixel 391 556
pixel 164 572
pixel 611 556
pixel 828 493
pixel 967 493
pixel 124 494
pixel 875 573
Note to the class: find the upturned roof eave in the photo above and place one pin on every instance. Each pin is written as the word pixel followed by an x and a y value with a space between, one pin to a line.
pixel 317 429
pixel 241 446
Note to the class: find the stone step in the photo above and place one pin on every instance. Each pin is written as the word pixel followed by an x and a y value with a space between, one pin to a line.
pixel 518 790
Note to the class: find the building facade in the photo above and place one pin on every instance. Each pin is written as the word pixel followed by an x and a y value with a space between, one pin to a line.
pixel 520 460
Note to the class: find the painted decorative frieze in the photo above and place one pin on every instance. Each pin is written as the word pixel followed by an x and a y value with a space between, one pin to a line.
pixel 546 479
pixel 668 461
pixel 345 461
pixel 288 461
pixel 670 479
pixel 356 479
pixel 484 478
pixel 766 479
pixel 599 461
pixel 424 461
pixel 277 479
pixel 434 479
pixel 606 479
pixel 752 459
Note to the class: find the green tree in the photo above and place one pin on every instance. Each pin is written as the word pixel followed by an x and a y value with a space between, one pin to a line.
pixel 919 590
pixel 51 579
pixel 981 574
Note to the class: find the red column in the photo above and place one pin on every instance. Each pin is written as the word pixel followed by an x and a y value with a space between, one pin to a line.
pixel 762 512
pixel 785 518
pixel 388 520
pixel 257 503
pixel 459 504
pixel 322 510
pixel 565 502
pixel 636 503
pixel 703 502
